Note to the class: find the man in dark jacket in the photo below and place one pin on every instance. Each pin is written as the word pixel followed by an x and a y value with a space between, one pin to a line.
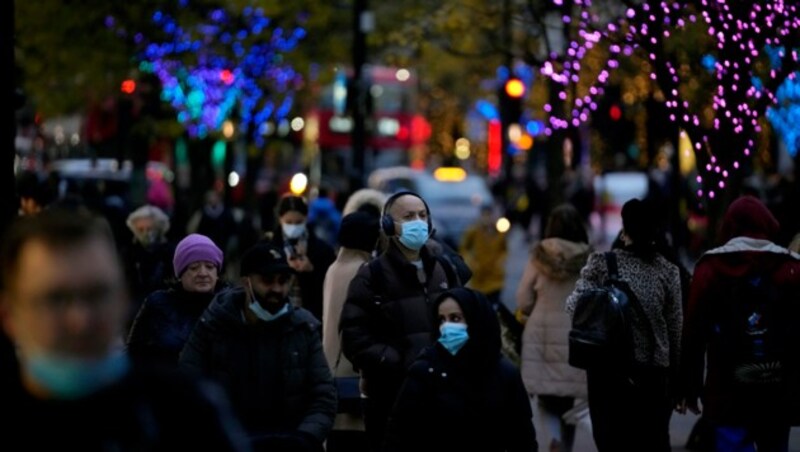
pixel 388 318
pixel 63 303
pixel 268 356
pixel 741 321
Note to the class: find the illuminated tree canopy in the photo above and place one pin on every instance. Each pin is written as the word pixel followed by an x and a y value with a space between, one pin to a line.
pixel 750 49
pixel 226 66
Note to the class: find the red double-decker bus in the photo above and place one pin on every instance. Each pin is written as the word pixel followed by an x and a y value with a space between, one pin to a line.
pixel 396 132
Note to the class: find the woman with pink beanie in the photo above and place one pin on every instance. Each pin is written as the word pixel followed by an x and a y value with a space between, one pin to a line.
pixel 167 317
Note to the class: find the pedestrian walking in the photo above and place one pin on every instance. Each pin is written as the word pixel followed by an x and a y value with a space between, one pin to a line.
pixel 307 254
pixel 358 236
pixel 548 279
pixel 214 220
pixel 484 251
pixel 630 406
pixel 167 317
pixel 268 356
pixel 386 320
pixel 148 258
pixel 740 334
pixel 462 393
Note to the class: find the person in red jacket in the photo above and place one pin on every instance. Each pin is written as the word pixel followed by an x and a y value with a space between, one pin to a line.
pixel 738 332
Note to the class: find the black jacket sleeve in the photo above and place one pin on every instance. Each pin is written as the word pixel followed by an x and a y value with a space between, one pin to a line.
pixel 360 324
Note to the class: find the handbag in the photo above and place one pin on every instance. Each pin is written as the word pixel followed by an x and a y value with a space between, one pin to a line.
pixel 349 396
pixel 348 392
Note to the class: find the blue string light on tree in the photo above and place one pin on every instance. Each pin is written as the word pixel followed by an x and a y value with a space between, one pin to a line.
pixel 225 66
pixel 785 116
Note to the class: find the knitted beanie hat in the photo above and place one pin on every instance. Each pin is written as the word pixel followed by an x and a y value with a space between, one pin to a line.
pixel 193 248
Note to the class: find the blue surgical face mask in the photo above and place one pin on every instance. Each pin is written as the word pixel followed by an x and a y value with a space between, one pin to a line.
pixel 414 234
pixel 71 378
pixel 262 313
pixel 453 336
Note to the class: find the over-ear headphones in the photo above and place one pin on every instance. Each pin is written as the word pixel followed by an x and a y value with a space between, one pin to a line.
pixel 387 222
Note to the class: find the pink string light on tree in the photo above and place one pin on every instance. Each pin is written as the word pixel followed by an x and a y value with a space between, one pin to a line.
pixel 753 49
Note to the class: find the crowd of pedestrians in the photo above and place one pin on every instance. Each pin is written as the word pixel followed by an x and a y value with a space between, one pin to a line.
pixel 148 345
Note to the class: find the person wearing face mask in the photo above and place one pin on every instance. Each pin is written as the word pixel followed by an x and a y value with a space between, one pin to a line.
pixel 267 354
pixel 167 317
pixel 306 253
pixel 462 383
pixel 63 303
pixel 148 258
pixel 386 319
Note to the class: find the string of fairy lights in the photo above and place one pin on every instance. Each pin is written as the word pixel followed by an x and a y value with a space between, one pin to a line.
pixel 752 61
pixel 222 67
pixel 233 66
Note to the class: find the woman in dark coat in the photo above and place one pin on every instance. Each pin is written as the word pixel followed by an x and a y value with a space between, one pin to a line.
pixel 461 393
pixel 167 317
pixel 630 406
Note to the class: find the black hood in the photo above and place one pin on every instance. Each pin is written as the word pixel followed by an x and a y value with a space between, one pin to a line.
pixel 484 342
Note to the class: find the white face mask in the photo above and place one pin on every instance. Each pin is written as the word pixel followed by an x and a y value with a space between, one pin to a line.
pixel 293 231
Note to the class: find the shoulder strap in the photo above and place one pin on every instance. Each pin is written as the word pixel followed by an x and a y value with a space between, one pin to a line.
pixel 633 300
pixel 611 263
pixel 450 272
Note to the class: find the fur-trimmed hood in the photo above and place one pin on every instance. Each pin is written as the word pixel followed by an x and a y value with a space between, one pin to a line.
pixel 364 196
pixel 559 258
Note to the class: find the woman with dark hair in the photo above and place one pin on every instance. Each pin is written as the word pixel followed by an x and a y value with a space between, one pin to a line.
pixel 630 408
pixel 461 393
pixel 309 256
pixel 547 281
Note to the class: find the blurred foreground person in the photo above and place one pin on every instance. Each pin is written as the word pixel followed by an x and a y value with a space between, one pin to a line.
pixel 64 305
pixel 462 393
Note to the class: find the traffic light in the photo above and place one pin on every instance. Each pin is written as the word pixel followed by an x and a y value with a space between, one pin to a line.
pixel 512 92
pixel 128 86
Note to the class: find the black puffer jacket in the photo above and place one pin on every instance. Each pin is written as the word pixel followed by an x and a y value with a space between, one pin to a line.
pixel 275 373
pixel 388 319
pixel 165 321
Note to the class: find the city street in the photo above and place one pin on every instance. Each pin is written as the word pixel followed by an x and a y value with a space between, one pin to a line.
pixel 681 425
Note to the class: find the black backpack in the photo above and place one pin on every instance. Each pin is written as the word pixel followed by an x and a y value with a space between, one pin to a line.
pixel 601 334
pixel 750 334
